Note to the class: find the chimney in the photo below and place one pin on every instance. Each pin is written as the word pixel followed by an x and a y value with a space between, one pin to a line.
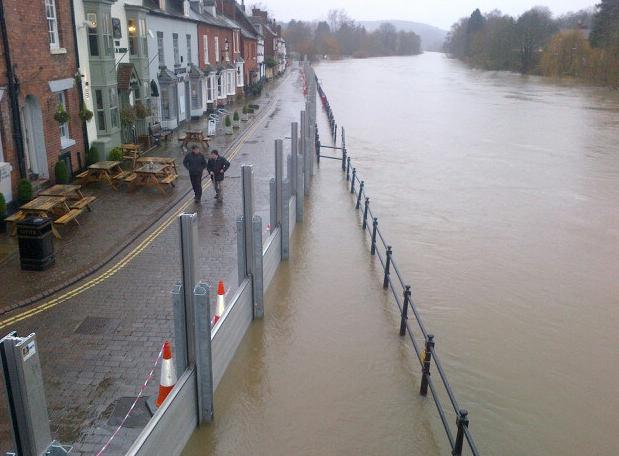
pixel 210 7
pixel 243 5
pixel 197 5
pixel 162 5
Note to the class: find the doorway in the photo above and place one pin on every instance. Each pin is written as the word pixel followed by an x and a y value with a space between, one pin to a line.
pixel 35 139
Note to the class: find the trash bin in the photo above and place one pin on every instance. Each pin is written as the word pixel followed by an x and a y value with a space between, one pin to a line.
pixel 36 244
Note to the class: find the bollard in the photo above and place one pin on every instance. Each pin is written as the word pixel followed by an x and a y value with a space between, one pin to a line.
pixel 358 205
pixel 387 268
pixel 348 168
pixel 425 371
pixel 407 300
pixel 352 181
pixel 462 422
pixel 344 158
pixel 374 230
pixel 365 213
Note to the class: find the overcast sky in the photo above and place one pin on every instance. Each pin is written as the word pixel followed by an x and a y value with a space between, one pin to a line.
pixel 440 13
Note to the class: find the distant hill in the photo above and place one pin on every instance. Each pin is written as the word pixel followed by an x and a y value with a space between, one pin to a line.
pixel 432 38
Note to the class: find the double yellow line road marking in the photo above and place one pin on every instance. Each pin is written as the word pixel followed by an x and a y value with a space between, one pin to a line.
pixel 136 250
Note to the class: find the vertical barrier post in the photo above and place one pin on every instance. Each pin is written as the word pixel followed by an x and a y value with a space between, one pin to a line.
pixel 189 256
pixel 425 370
pixel 240 249
pixel 289 167
pixel 374 230
pixel 358 205
pixel 272 205
pixel 365 213
pixel 348 168
pixel 306 171
pixel 247 177
pixel 462 422
pixel 407 301
pixel 279 178
pixel 294 150
pixel 352 181
pixel 180 335
pixel 344 158
pixel 204 357
pixel 258 282
pixel 387 268
pixel 286 221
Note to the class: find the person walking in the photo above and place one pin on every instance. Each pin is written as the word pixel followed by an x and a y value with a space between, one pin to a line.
pixel 195 163
pixel 216 167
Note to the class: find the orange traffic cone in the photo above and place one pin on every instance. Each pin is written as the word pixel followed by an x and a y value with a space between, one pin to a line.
pixel 168 374
pixel 221 305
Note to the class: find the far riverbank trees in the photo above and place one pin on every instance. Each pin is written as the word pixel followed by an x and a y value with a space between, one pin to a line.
pixel 583 45
pixel 341 36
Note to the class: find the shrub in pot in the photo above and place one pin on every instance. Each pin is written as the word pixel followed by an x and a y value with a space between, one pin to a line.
pixel 24 191
pixel 61 172
pixel 2 214
pixel 92 156
pixel 245 114
pixel 228 125
pixel 116 154
pixel 85 114
pixel 236 120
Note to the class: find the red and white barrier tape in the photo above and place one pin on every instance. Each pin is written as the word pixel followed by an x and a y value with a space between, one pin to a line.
pixel 142 389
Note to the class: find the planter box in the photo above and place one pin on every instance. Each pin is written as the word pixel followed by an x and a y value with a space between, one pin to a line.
pixel 229 130
pixel 236 124
pixel 244 117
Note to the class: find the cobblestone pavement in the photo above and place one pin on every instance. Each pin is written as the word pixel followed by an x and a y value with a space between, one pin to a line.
pixel 116 219
pixel 87 369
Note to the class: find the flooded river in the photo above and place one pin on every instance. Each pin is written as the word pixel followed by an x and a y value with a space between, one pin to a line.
pixel 500 196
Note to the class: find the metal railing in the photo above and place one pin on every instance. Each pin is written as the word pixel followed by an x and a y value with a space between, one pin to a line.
pixel 425 349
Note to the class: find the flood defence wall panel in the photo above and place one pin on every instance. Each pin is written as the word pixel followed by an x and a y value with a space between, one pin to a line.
pixel 272 256
pixel 292 215
pixel 169 430
pixel 229 331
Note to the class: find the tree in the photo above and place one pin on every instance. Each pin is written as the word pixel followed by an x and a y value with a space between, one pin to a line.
pixel 321 35
pixel 605 30
pixel 534 28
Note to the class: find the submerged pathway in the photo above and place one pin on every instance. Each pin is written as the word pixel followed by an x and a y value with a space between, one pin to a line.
pixel 98 339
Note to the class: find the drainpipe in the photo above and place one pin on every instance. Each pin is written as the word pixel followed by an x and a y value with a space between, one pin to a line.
pixel 13 95
pixel 80 90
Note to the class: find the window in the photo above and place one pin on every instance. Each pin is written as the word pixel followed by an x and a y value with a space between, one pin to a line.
pixel 217 49
pixel 132 34
pixel 107 35
pixel 231 83
pixel 64 128
pixel 160 49
pixel 220 88
pixel 210 95
pixel 143 39
pixel 114 107
pixel 188 49
pixel 177 55
pixel 52 23
pixel 205 38
pixel 100 110
pixel 196 94
pixel 93 40
pixel 186 8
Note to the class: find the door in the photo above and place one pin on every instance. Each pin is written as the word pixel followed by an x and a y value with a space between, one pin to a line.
pixel 35 140
pixel 182 110
pixel 187 100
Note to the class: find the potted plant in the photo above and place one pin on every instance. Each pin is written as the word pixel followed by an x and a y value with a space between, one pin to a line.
pixel 245 114
pixel 116 154
pixel 236 121
pixel 61 115
pixel 61 172
pixel 141 110
pixel 2 214
pixel 127 116
pixel 85 113
pixel 228 125
pixel 24 191
pixel 92 156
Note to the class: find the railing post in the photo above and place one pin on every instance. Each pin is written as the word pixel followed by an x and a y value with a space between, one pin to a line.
pixel 365 213
pixel 462 422
pixel 374 230
pixel 425 371
pixel 407 300
pixel 360 193
pixel 344 158
pixel 348 168
pixel 387 267
pixel 352 181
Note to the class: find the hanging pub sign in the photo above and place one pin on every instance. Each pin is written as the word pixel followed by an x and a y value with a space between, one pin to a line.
pixel 116 30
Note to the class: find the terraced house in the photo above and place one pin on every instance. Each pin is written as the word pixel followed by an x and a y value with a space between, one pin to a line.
pixel 39 98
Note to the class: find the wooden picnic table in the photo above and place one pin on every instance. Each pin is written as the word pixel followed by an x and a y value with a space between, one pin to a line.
pixel 72 193
pixel 131 152
pixel 106 171
pixel 195 136
pixel 155 175
pixel 50 207
pixel 160 160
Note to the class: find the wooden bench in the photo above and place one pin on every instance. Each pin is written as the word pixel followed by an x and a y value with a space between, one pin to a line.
pixel 69 216
pixel 121 175
pixel 169 180
pixel 156 131
pixel 82 175
pixel 130 177
pixel 83 203
pixel 13 219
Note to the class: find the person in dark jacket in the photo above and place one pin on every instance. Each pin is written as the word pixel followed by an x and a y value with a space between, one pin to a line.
pixel 216 167
pixel 195 163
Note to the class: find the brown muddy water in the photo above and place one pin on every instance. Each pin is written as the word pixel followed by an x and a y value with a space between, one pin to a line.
pixel 500 196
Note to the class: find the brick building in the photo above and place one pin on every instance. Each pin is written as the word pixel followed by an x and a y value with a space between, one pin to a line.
pixel 39 45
